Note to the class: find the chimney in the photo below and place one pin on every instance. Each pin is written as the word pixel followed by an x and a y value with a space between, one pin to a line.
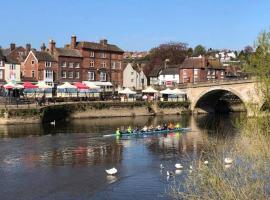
pixel 104 41
pixel 12 46
pixel 73 42
pixel 43 47
pixel 51 47
pixel 27 48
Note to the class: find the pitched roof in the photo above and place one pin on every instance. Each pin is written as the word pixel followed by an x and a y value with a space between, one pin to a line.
pixel 2 57
pixel 170 71
pixel 68 52
pixel 99 46
pixel 201 62
pixel 44 56
pixel 155 71
pixel 11 60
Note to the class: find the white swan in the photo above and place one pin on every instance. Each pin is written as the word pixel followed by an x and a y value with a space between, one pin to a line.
pixel 111 171
pixel 228 160
pixel 169 173
pixel 161 166
pixel 178 166
pixel 205 162
pixel 190 167
pixel 53 122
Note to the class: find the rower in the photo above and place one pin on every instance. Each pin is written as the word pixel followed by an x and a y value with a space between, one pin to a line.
pixel 144 129
pixel 129 129
pixel 117 132
pixel 177 126
pixel 170 126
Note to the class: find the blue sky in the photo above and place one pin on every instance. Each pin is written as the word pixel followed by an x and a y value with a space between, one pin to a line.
pixel 135 24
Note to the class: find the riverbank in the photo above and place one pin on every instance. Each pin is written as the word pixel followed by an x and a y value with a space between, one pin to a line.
pixel 75 110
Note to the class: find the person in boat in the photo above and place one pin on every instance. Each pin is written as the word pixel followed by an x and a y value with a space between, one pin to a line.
pixel 118 132
pixel 144 129
pixel 177 126
pixel 165 127
pixel 151 128
pixel 158 128
pixel 171 127
pixel 129 130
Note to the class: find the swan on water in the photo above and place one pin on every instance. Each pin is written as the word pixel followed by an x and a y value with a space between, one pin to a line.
pixel 178 166
pixel 169 173
pixel 111 171
pixel 205 162
pixel 161 166
pixel 53 122
pixel 228 160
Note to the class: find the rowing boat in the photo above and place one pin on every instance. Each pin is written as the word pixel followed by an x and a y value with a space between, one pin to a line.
pixel 143 133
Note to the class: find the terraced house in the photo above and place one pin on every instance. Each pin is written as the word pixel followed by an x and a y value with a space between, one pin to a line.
pixel 40 66
pixel 102 62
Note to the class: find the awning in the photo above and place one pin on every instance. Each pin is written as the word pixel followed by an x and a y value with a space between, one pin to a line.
pixel 91 85
pixel 28 85
pixel 150 90
pixel 177 91
pixel 43 85
pixel 167 91
pixel 66 85
pixel 127 91
pixel 80 85
pixel 100 83
pixel 12 86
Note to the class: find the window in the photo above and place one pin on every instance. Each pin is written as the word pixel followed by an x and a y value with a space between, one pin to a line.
pixel 64 64
pixel 1 63
pixel 91 76
pixel 77 65
pixel 32 62
pixel 48 64
pixel 131 80
pixel 213 73
pixel 70 74
pixel 163 76
pixel 12 67
pixel 1 74
pixel 92 63
pixel 173 76
pixel 103 55
pixel 103 64
pixel 49 74
pixel 184 72
pixel 113 65
pixel 222 73
pixel 196 72
pixel 132 73
pixel 20 53
pixel 92 54
pixel 33 74
pixel 77 74
pixel 120 65
pixel 208 72
pixel 64 74
pixel 102 76
pixel 70 65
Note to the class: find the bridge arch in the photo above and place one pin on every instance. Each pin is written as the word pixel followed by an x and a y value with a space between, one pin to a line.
pixel 219 99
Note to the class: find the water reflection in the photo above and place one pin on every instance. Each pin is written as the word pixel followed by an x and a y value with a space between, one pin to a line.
pixel 76 152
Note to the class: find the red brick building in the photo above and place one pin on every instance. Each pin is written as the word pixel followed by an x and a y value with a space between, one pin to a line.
pixel 69 63
pixel 200 69
pixel 40 66
pixel 101 61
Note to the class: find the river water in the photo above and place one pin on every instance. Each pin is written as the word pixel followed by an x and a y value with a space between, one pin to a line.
pixel 68 161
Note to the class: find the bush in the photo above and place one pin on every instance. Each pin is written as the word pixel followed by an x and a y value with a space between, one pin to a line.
pixel 167 104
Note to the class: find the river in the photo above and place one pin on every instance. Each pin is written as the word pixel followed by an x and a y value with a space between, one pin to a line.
pixel 67 161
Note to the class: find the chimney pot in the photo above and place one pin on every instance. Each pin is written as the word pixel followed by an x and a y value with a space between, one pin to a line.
pixel 51 46
pixel 73 42
pixel 104 41
pixel 12 46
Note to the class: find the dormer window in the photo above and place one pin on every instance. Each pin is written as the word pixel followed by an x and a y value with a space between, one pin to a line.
pixel 70 65
pixel 48 64
pixel 32 62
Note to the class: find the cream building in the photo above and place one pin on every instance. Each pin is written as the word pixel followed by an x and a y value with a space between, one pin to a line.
pixel 134 77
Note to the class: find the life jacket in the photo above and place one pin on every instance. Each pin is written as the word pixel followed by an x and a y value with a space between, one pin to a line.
pixel 129 129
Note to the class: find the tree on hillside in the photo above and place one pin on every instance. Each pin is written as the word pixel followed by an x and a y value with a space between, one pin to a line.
pixel 199 50
pixel 259 64
pixel 173 52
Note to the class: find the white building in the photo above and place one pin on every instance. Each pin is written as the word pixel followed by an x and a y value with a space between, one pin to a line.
pixel 133 77
pixel 225 56
pixel 169 76
pixel 12 71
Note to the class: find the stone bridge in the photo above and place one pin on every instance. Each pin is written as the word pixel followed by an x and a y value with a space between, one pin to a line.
pixel 224 96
